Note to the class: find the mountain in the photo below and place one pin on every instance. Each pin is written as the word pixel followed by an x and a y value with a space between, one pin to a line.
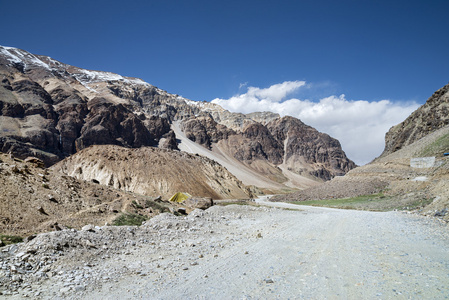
pixel 431 116
pixel 411 173
pixel 52 110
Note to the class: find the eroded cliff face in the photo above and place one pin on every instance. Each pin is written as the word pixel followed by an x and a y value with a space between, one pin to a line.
pixel 306 150
pixel 428 118
pixel 52 110
pixel 151 171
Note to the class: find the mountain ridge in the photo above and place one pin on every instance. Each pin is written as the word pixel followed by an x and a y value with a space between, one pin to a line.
pixel 52 110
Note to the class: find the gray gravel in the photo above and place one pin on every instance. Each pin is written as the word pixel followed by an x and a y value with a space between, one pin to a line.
pixel 238 252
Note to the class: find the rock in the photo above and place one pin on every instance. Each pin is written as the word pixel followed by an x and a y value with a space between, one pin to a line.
pixel 170 141
pixel 182 210
pixel 52 199
pixel 42 211
pixel 30 237
pixel 65 289
pixel 200 203
pixel 88 227
pixel 441 213
pixel 56 226
pixel 36 161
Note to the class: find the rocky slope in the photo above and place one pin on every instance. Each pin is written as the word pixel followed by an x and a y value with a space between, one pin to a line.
pixel 151 171
pixel 35 199
pixel 424 134
pixel 52 110
pixel 431 116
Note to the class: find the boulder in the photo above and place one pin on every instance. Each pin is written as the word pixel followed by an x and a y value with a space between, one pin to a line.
pixel 196 202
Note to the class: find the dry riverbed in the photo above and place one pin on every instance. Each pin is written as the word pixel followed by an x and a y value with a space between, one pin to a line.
pixel 237 252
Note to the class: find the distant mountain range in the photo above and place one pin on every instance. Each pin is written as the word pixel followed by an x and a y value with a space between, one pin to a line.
pixel 52 110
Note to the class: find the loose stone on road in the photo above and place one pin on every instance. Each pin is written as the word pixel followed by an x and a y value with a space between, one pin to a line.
pixel 246 252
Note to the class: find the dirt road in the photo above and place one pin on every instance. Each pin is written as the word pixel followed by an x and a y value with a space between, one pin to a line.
pixel 243 252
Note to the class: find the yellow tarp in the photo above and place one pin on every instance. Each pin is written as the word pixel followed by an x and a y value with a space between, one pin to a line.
pixel 180 197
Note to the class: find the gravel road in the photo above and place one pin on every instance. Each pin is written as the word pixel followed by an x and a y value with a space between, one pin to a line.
pixel 246 252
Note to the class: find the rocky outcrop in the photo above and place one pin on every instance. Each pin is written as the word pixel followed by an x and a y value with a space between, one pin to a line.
pixel 205 131
pixel 48 109
pixel 259 144
pixel 431 116
pixel 108 124
pixel 307 149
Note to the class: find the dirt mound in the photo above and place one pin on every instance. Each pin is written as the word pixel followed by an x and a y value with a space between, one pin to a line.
pixel 153 172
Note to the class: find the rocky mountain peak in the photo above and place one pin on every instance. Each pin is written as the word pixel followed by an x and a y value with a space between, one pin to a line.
pixel 428 118
pixel 53 110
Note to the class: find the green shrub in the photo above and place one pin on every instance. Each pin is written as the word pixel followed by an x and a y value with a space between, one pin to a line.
pixel 156 206
pixel 10 239
pixel 128 219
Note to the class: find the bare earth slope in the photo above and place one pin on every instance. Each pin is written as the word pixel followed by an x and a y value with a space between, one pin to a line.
pixel 34 199
pixel 152 171
pixel 240 252
pixel 247 175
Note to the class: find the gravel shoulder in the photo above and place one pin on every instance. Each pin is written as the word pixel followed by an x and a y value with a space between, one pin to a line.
pixel 242 252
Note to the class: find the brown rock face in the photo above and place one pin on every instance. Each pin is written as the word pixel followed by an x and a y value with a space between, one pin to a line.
pixel 51 112
pixel 431 116
pixel 200 203
pixel 108 124
pixel 205 131
pixel 170 142
pixel 260 144
pixel 308 149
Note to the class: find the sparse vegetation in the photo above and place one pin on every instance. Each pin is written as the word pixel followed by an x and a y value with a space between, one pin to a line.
pixel 137 205
pixel 10 239
pixel 156 206
pixel 374 202
pixel 128 219
pixel 236 202
pixel 438 147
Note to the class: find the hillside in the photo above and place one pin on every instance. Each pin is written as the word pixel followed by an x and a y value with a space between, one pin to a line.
pixel 52 110
pixel 36 199
pixel 402 183
pixel 152 171
pixel 428 118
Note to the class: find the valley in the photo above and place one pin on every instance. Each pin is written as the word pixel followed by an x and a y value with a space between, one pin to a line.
pixel 90 159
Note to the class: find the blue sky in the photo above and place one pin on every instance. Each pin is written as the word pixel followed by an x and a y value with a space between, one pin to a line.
pixel 205 50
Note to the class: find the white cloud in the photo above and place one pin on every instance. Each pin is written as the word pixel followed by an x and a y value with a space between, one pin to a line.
pixel 242 85
pixel 359 125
